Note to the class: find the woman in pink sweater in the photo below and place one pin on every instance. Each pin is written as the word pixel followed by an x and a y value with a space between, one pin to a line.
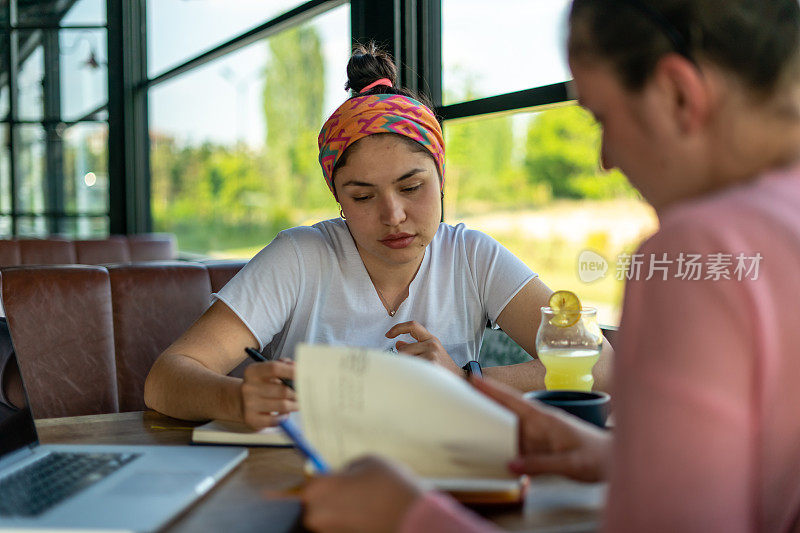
pixel 699 101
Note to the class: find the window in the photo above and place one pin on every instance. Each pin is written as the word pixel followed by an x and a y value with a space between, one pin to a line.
pixel 3 96
pixel 173 26
pixel 84 72
pixel 234 141
pixel 56 137
pixel 30 77
pixel 86 12
pixel 86 168
pixel 31 160
pixel 5 172
pixel 532 181
pixel 500 47
pixel 81 13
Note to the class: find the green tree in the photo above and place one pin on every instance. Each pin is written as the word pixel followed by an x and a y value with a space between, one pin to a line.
pixel 217 197
pixel 562 151
pixel 293 98
pixel 479 151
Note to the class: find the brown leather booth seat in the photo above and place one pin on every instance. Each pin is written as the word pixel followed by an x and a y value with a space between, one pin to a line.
pixel 86 336
pixel 115 249
pixel 61 321
pixel 153 304
pixel 9 253
pixel 152 247
pixel 221 271
pixel 46 252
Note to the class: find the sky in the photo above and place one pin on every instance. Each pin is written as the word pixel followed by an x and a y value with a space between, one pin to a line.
pixel 496 47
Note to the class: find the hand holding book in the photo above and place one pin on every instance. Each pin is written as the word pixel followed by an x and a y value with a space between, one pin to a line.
pixel 551 441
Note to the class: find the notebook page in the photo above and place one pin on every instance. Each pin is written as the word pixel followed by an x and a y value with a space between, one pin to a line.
pixel 228 432
pixel 355 401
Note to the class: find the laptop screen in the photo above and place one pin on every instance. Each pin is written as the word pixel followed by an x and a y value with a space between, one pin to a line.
pixel 16 425
pixel 16 430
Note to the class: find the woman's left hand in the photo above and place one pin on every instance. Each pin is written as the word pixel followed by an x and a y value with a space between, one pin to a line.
pixel 427 346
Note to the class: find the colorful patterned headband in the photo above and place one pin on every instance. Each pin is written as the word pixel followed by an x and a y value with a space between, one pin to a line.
pixel 378 113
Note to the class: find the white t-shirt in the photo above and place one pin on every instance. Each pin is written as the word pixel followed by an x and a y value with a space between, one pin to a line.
pixel 310 285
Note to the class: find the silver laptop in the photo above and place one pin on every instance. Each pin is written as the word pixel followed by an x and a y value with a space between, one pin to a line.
pixel 108 488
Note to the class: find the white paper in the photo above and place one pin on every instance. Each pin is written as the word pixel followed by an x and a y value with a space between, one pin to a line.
pixel 355 401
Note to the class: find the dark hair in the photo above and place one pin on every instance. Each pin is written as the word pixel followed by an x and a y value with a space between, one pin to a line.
pixel 757 41
pixel 368 64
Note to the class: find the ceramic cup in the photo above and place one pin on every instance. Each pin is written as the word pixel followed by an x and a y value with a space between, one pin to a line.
pixel 589 406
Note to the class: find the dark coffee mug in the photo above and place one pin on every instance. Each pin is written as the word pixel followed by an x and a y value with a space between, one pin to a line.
pixel 589 406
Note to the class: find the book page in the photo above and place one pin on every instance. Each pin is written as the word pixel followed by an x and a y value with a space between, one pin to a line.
pixel 355 401
pixel 229 432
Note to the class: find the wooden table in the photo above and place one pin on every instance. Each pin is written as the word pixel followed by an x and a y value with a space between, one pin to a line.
pixel 249 498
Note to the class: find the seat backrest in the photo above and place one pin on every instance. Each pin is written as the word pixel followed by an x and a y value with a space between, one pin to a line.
pixel 154 303
pixel 46 252
pixel 221 272
pixel 9 253
pixel 152 247
pixel 60 318
pixel 101 251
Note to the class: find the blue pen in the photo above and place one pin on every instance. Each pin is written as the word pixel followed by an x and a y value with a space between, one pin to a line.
pixel 296 436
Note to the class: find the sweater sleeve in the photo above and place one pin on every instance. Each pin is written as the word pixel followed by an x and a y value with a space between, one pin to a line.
pixel 439 513
pixel 684 455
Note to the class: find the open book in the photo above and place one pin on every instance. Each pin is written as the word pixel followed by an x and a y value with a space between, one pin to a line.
pixel 355 401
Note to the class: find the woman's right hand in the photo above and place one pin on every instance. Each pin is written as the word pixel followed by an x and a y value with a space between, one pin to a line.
pixel 264 398
pixel 550 440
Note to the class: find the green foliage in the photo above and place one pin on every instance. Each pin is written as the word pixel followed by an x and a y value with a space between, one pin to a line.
pixel 562 151
pixel 217 197
pixel 225 197
pixel 479 162
pixel 480 167
pixel 293 97
pixel 199 192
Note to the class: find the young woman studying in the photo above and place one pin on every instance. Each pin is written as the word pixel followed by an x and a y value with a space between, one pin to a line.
pixel 699 101
pixel 386 274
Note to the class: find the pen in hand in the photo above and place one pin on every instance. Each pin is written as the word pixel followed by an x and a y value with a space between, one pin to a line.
pixel 288 427
pixel 255 356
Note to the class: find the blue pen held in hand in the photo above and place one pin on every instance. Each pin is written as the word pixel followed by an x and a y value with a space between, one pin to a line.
pixel 296 436
pixel 288 427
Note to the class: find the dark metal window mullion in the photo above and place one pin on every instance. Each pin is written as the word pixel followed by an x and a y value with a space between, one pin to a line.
pixel 430 49
pixel 537 97
pixel 59 27
pixel 128 143
pixel 54 173
pixel 12 58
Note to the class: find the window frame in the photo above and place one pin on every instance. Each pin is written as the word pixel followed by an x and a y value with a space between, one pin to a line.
pixel 51 119
pixel 410 29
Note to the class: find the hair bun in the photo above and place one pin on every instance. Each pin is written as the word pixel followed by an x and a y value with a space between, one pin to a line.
pixel 368 64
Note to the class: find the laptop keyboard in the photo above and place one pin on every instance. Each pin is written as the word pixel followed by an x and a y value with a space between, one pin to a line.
pixel 35 488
